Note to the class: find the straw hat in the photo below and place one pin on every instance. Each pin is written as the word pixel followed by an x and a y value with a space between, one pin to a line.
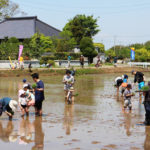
pixel 12 138
pixel 13 105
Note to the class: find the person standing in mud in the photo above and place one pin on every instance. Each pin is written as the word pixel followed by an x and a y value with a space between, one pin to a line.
pixel 82 61
pixel 139 78
pixel 127 97
pixel 124 84
pixel 68 81
pixel 39 94
pixel 147 106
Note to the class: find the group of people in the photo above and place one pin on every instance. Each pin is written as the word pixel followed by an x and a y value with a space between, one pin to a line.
pixel 27 96
pixel 122 83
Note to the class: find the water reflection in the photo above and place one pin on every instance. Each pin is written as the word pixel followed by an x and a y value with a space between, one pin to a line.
pixel 147 139
pixel 68 118
pixel 6 132
pixel 127 123
pixel 39 134
pixel 26 128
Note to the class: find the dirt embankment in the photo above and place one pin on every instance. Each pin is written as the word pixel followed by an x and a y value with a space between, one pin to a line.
pixel 79 71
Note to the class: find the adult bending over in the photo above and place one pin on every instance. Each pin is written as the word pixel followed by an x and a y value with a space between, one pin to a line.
pixel 8 106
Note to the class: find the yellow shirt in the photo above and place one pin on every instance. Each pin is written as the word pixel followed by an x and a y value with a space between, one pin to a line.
pixel 21 59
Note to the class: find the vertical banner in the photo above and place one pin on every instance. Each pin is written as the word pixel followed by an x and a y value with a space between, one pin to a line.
pixel 20 51
pixel 132 53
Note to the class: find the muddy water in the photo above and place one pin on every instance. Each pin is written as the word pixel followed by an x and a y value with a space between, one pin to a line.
pixel 95 122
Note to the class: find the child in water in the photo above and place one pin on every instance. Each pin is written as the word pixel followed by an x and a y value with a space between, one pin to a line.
pixel 70 96
pixel 23 103
pixel 124 84
pixel 127 97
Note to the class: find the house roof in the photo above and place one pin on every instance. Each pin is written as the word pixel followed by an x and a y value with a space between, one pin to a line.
pixel 25 27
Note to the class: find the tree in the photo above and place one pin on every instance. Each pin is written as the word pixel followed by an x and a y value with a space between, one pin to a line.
pixel 147 45
pixel 66 43
pixel 82 26
pixel 8 9
pixel 87 48
pixel 141 55
pixel 100 47
pixel 40 44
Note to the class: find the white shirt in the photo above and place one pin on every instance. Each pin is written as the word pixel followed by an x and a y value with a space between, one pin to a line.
pixel 22 101
pixel 118 78
pixel 68 78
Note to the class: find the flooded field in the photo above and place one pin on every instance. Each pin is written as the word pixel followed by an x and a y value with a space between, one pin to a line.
pixel 95 122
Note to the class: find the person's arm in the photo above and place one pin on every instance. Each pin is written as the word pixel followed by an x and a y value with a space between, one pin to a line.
pixel 9 114
pixel 64 81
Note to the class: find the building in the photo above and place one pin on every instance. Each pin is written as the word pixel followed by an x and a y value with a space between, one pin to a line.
pixel 25 27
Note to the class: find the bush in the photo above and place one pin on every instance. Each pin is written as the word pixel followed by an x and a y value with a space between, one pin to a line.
pixel 64 55
pixel 51 62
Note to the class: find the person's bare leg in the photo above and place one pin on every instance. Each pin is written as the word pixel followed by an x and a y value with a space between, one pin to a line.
pixel 40 112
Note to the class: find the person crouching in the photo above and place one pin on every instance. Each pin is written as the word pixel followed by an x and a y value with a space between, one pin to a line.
pixel 23 103
pixel 8 106
pixel 127 97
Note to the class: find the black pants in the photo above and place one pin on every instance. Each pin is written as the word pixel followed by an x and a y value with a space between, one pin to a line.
pixel 147 110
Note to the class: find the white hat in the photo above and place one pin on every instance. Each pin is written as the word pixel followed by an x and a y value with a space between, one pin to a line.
pixel 21 92
pixel 25 85
pixel 13 105
pixel 12 138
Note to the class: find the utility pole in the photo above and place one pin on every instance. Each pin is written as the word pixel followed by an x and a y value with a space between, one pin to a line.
pixel 115 44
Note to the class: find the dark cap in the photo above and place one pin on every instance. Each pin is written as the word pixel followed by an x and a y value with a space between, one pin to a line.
pixel 24 80
pixel 132 71
pixel 129 86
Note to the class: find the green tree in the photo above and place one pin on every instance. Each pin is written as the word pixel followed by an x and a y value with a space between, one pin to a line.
pixel 82 26
pixel 141 55
pixel 9 48
pixel 100 46
pixel 8 9
pixel 147 45
pixel 87 48
pixel 66 43
pixel 137 45
pixel 40 44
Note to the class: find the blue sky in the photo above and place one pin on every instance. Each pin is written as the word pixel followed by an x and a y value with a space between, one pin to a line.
pixel 121 21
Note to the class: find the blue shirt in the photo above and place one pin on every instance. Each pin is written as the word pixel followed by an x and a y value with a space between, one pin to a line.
pixel 39 95
pixel 69 58
pixel 5 102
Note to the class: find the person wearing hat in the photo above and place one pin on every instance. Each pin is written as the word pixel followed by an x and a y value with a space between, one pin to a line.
pixel 8 106
pixel 127 97
pixel 124 84
pixel 70 96
pixel 147 105
pixel 23 102
pixel 26 83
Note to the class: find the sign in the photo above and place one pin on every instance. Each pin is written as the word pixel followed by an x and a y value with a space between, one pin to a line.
pixel 20 51
pixel 132 53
